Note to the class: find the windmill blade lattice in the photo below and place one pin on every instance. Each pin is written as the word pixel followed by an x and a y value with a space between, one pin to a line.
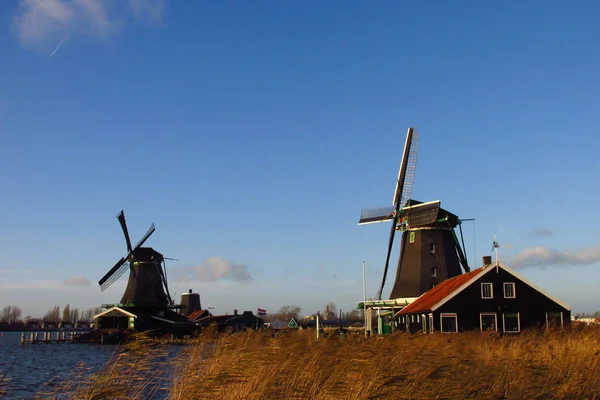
pixel 146 236
pixel 410 170
pixel 121 218
pixel 123 265
pixel 404 183
pixel 114 274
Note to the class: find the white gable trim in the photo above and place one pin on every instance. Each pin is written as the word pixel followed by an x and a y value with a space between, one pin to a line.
pixel 510 271
pixel 463 287
pixel 516 275
pixel 115 308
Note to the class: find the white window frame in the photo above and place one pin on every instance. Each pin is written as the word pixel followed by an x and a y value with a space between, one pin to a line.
pixel 562 322
pixel 491 290
pixel 518 323
pixel 424 323
pixel 442 315
pixel 488 313
pixel 514 290
pixel 431 323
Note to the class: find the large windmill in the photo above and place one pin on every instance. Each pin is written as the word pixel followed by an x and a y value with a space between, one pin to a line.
pixel 147 285
pixel 430 251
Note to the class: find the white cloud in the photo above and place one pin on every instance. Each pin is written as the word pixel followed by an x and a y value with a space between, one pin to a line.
pixel 214 269
pixel 49 22
pixel 542 256
pixel 78 281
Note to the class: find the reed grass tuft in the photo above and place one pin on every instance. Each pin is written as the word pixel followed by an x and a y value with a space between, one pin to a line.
pixel 295 365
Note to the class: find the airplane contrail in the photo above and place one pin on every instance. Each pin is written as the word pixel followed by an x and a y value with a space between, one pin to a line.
pixel 60 44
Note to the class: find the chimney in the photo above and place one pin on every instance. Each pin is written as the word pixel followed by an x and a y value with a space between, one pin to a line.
pixel 190 302
pixel 487 260
pixel 235 312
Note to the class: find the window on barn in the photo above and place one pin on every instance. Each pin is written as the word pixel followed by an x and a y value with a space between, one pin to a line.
pixel 433 272
pixel 431 248
pixel 424 323
pixel 511 322
pixel 487 291
pixel 509 290
pixel 418 319
pixel 488 321
pixel 449 323
pixel 554 319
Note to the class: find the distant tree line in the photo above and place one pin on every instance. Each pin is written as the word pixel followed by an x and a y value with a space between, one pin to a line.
pixel 12 314
pixel 330 311
pixel 588 315
pixel 285 313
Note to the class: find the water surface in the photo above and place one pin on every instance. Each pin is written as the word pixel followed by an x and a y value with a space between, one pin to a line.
pixel 29 366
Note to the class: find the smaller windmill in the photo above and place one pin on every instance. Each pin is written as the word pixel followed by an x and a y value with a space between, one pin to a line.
pixel 430 251
pixel 147 285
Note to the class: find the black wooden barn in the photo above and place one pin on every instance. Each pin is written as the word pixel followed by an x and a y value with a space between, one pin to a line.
pixel 236 322
pixel 492 297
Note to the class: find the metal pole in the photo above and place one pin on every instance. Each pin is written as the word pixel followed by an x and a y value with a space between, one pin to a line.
pixel 364 297
pixel 462 239
pixel 497 255
pixel 318 327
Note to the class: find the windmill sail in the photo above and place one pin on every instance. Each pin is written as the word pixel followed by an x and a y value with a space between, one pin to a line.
pixel 147 284
pixel 401 193
pixel 428 251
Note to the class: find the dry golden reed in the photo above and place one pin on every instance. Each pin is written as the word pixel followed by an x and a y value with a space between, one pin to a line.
pixel 294 365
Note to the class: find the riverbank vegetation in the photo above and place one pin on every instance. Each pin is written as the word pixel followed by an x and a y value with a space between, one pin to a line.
pixel 294 365
pixel 11 319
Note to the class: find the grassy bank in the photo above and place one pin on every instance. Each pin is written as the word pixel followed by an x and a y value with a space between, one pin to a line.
pixel 556 365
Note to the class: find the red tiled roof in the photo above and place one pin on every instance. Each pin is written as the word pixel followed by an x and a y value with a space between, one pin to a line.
pixel 193 316
pixel 438 293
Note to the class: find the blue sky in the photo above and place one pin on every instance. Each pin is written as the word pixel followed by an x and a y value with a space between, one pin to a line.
pixel 253 134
